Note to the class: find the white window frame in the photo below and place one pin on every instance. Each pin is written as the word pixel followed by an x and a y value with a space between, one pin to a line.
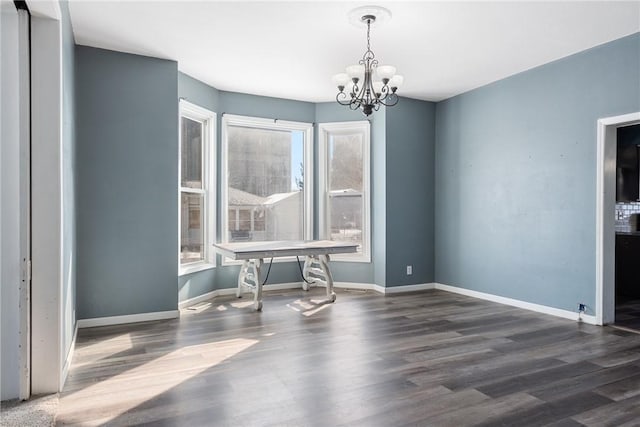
pixel 326 130
pixel 208 120
pixel 270 124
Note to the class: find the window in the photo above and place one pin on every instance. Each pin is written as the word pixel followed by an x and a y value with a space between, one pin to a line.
pixel 266 179
pixel 344 186
pixel 196 193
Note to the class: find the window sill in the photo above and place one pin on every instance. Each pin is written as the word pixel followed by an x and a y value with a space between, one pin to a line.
pixel 194 268
pixel 362 259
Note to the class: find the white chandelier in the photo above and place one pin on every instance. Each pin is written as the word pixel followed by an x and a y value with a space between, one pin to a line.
pixel 368 85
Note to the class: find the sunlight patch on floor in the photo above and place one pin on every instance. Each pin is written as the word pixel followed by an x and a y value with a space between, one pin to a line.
pixel 126 390
pixel 309 307
pixel 241 304
pixel 118 344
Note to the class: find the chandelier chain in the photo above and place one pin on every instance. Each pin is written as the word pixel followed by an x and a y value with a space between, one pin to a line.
pixel 368 37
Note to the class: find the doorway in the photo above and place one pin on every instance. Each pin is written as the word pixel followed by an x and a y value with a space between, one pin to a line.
pixel 627 217
pixel 605 214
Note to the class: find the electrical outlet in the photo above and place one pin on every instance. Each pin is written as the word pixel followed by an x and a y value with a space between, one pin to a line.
pixel 409 270
pixel 582 308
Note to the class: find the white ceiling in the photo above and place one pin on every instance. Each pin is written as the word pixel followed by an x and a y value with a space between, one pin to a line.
pixel 291 49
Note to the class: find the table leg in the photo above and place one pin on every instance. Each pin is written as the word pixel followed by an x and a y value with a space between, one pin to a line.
pixel 241 277
pixel 257 296
pixel 324 264
pixel 308 262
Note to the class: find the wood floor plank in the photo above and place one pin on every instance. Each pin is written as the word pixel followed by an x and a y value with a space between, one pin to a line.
pixel 427 358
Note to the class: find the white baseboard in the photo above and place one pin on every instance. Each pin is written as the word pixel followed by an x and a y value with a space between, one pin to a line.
pixel 294 285
pixel 357 286
pixel 232 291
pixel 408 288
pixel 129 318
pixel 566 314
pixel 68 359
pixel 392 290
pixel 195 300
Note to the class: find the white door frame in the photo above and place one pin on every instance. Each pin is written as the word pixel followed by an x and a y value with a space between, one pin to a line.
pixel 605 209
pixel 25 205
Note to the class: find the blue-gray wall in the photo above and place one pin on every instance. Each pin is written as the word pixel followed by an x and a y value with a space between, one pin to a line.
pixel 410 151
pixel 69 252
pixel 516 176
pixel 198 93
pixel 498 198
pixel 127 181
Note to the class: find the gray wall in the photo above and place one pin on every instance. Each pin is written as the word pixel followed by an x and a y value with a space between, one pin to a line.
pixel 515 176
pixel 198 93
pixel 410 151
pixel 127 180
pixel 69 252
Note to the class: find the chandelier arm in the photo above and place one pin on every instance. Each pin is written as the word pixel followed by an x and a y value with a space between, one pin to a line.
pixel 390 101
pixel 341 102
pixel 385 91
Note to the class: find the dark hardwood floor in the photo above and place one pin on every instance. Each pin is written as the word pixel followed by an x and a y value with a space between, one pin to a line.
pixel 628 314
pixel 424 359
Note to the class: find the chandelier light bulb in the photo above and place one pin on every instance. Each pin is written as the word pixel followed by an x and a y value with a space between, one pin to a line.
pixel 341 80
pixel 356 71
pixel 377 87
pixel 396 81
pixel 386 71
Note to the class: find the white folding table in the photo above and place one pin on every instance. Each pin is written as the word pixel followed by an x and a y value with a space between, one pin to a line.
pixel 316 264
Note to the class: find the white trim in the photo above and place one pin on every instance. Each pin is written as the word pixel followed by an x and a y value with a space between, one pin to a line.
pixel 232 291
pixel 204 297
pixel 359 286
pixel 264 123
pixel 605 225
pixel 128 318
pixel 624 119
pixel 194 268
pixel 298 285
pixel 208 120
pixel 393 290
pixel 25 205
pixel 68 359
pixel 345 128
pixel 45 9
pixel 269 124
pixel 408 288
pixel 566 314
pixel 46 205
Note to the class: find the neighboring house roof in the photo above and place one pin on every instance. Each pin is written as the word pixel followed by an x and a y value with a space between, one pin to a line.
pixel 279 197
pixel 242 198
